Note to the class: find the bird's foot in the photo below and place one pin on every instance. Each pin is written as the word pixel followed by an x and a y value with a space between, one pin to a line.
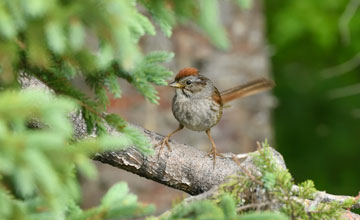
pixel 162 143
pixel 214 153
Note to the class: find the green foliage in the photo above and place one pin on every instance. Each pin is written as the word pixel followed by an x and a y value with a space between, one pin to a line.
pixel 245 3
pixel 208 20
pixel 224 210
pixel 264 216
pixel 49 40
pixel 149 70
pixel 162 15
pixel 203 12
pixel 197 210
pixel 116 204
pixel 57 41
pixel 279 184
pixel 227 204
pixel 279 187
pixel 38 161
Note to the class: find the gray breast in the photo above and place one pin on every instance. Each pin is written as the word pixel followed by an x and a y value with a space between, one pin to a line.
pixel 196 114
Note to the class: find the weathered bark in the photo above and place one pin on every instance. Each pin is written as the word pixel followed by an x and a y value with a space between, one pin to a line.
pixel 185 168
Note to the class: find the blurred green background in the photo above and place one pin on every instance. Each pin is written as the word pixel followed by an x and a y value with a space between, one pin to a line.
pixel 315 60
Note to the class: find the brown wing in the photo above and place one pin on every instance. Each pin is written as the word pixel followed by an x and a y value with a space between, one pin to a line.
pixel 217 97
pixel 247 89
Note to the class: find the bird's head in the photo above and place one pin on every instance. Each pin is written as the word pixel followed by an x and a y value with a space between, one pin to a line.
pixel 189 80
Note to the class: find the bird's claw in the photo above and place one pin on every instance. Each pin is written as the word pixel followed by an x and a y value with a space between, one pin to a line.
pixel 163 142
pixel 214 153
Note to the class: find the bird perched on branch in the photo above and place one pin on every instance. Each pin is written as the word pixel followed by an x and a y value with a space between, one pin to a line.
pixel 198 104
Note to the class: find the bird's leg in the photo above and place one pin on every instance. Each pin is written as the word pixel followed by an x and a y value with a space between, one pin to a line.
pixel 165 141
pixel 213 151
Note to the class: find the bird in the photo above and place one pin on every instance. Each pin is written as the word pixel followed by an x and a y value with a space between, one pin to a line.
pixel 198 104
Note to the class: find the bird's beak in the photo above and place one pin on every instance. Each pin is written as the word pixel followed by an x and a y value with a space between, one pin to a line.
pixel 175 85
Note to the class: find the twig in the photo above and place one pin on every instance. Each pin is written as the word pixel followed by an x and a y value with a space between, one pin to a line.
pixel 247 172
pixel 327 198
pixel 242 156
pixel 252 206
pixel 313 204
pixel 252 177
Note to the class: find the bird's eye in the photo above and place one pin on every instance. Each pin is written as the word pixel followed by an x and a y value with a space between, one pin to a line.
pixel 188 82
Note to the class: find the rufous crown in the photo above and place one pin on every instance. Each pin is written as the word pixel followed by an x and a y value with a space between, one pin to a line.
pixel 188 71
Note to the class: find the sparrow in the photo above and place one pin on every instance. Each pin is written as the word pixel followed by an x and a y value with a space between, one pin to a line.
pixel 198 104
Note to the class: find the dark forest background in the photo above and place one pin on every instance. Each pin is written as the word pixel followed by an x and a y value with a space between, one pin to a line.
pixel 315 62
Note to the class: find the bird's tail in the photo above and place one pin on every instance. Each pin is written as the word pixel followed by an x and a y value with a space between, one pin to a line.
pixel 247 89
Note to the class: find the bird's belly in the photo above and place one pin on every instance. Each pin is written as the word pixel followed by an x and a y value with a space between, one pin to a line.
pixel 198 114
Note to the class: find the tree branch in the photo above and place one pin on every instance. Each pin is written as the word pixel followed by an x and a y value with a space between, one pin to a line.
pixel 185 168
